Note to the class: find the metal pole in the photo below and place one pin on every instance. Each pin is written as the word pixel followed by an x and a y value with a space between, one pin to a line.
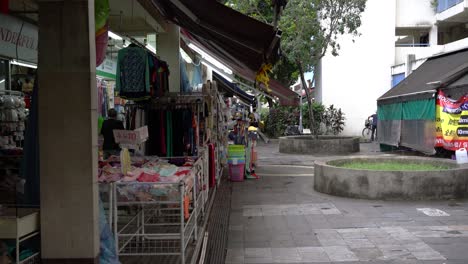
pixel 182 224
pixel 300 113
pixel 116 220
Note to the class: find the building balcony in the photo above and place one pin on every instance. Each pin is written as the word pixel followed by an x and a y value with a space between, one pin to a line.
pixel 419 50
pixel 450 11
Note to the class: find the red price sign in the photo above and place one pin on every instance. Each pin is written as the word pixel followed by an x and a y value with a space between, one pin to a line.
pixel 131 137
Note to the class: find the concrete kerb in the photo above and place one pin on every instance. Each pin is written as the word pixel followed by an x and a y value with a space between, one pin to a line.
pixel 309 145
pixel 391 185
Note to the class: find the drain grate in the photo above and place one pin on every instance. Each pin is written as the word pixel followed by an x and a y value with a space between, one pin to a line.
pixel 218 225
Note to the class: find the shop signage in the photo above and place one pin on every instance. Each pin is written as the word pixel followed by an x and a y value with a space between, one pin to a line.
pixel 452 122
pixel 107 69
pixel 18 39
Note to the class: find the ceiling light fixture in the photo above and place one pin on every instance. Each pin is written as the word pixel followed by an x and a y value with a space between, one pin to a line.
pixel 112 35
pixel 217 71
pixel 2 81
pixel 151 48
pixel 14 62
pixel 185 56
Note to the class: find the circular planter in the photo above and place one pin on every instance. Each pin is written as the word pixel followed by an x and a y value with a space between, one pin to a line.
pixel 324 145
pixel 391 185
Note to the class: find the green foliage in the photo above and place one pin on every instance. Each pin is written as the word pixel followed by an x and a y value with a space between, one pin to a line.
pixel 311 27
pixel 334 120
pixel 434 4
pixel 327 120
pixel 285 71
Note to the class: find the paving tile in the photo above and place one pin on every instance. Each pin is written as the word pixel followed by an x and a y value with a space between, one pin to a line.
pixel 258 253
pixel 367 254
pixel 340 253
pixel 252 212
pixel 235 256
pixel 286 255
pixel 257 244
pixel 313 254
pixel 233 244
pixel 285 213
pixel 258 260
pixel 283 244
pixel 395 252
pixel 359 243
pixel 236 228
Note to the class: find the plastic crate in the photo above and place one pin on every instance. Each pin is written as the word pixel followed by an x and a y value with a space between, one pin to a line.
pixel 236 161
pixel 236 172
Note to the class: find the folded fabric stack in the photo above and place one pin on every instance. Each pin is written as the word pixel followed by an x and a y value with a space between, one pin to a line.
pixel 149 169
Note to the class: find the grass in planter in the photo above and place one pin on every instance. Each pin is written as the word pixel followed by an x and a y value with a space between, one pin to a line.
pixel 392 166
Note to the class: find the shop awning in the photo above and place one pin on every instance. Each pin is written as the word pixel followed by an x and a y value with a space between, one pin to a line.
pixel 245 41
pixel 232 89
pixel 286 96
pixel 437 72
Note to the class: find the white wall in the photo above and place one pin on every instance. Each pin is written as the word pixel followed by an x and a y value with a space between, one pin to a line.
pixel 414 13
pixel 362 72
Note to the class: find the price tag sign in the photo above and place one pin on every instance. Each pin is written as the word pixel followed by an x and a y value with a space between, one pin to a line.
pixel 131 137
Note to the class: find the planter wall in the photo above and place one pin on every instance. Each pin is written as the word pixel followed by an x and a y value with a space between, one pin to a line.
pixel 392 185
pixel 324 145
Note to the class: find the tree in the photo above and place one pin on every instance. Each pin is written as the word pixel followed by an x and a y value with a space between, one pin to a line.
pixel 310 30
pixel 285 71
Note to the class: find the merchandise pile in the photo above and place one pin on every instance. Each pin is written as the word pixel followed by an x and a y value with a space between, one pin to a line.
pixel 145 169
pixel 12 122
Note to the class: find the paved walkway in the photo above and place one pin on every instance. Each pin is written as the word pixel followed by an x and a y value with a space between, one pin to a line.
pixel 281 219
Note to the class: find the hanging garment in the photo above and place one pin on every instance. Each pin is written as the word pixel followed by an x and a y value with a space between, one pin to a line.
pixel 108 250
pixel 163 145
pixel 163 73
pixel 133 74
pixel 197 76
pixel 184 81
pixel 169 135
pixel 212 165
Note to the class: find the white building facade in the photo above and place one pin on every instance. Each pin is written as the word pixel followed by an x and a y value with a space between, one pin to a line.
pixel 396 37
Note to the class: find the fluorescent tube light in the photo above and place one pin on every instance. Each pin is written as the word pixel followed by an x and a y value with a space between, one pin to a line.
pixel 185 56
pixel 2 81
pixel 14 62
pixel 218 72
pixel 151 48
pixel 210 59
pixel 114 36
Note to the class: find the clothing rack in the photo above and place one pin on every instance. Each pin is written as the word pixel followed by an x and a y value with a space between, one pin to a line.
pixel 11 92
pixel 141 45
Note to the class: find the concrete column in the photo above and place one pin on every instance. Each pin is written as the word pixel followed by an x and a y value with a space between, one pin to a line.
pixel 318 83
pixel 409 61
pixel 433 36
pixel 168 45
pixel 68 132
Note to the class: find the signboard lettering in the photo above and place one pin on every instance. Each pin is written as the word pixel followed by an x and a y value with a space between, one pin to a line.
pixel 451 122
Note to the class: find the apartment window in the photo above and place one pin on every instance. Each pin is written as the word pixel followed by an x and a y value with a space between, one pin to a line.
pixel 397 78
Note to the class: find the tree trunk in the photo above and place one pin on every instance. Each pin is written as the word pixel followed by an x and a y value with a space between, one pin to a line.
pixel 309 100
